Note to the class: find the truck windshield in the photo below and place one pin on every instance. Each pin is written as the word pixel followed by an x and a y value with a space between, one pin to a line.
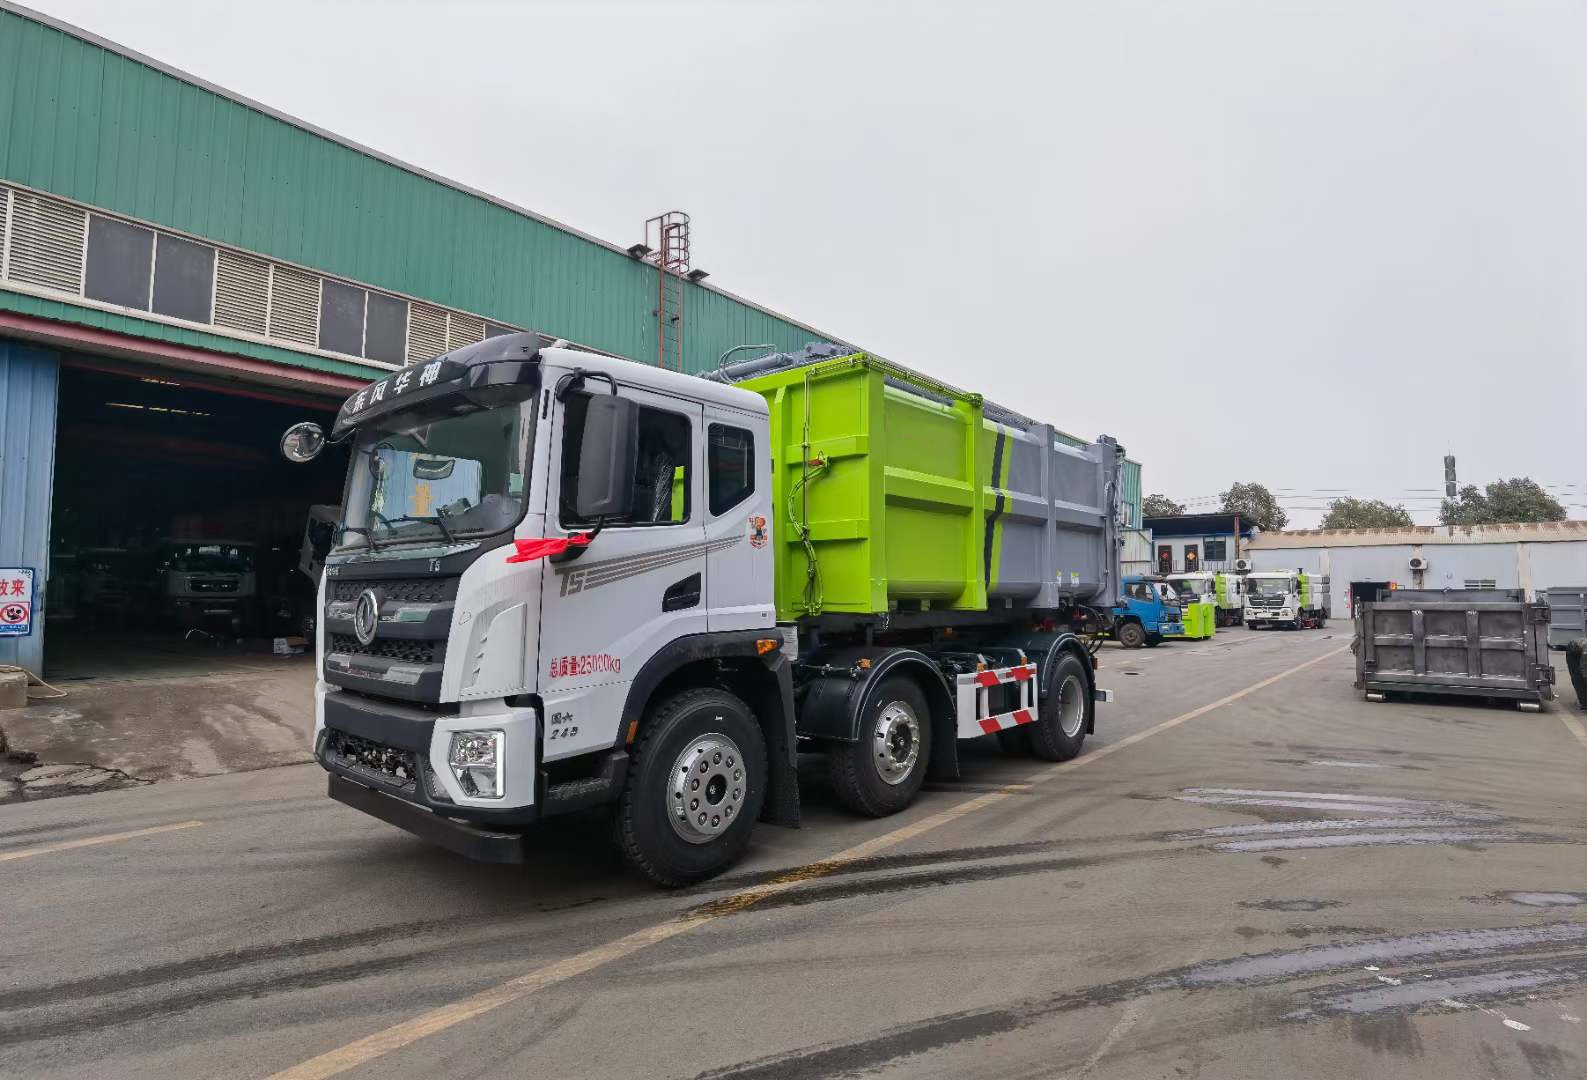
pixel 1193 588
pixel 211 558
pixel 458 477
pixel 1267 586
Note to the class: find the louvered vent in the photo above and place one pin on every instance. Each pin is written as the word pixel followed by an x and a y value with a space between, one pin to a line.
pixel 464 330
pixel 294 306
pixel 47 243
pixel 426 333
pixel 242 292
pixel 5 222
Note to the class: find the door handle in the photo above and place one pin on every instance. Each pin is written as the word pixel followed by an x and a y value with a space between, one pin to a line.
pixel 682 595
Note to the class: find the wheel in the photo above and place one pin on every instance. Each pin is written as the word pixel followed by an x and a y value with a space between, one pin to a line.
pixel 694 789
pixel 1131 635
pixel 1153 640
pixel 1250 624
pixel 1322 621
pixel 881 771
pixel 1063 713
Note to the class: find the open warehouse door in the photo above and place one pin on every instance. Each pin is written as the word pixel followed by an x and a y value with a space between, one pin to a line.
pixel 177 529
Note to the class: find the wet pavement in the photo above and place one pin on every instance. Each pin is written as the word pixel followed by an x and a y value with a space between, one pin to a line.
pixel 1251 873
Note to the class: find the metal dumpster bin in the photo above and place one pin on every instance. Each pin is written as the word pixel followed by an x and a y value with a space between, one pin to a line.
pixel 1567 607
pixel 1479 642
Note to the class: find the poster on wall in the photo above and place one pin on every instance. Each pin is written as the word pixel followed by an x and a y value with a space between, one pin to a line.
pixel 16 601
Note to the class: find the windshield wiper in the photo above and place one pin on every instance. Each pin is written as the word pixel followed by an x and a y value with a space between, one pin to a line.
pixel 374 545
pixel 427 519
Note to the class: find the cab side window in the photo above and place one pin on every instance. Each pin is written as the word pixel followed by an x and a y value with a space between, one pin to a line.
pixel 661 474
pixel 729 467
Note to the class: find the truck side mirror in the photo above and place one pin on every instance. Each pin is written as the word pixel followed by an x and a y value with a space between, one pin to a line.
pixel 608 455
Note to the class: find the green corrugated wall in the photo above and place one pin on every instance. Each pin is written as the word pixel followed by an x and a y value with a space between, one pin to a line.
pixel 92 125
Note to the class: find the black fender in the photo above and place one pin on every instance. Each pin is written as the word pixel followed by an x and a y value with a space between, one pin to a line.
pixel 833 699
pixel 1045 648
pixel 770 697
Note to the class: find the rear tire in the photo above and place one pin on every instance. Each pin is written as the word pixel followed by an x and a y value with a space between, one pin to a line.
pixel 662 834
pixel 1131 635
pixel 882 770
pixel 1250 624
pixel 1063 713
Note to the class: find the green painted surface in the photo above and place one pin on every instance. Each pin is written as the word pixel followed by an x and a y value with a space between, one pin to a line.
pixel 1200 620
pixel 93 125
pixel 883 487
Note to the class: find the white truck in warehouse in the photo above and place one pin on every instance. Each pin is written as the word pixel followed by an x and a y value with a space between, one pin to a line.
pixel 565 580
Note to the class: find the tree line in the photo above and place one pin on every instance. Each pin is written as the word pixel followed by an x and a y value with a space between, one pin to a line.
pixel 1521 499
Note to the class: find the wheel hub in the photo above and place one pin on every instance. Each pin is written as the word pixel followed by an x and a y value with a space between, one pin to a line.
pixel 897 743
pixel 1071 705
pixel 706 788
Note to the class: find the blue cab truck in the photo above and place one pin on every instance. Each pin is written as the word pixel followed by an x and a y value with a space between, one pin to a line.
pixel 1148 611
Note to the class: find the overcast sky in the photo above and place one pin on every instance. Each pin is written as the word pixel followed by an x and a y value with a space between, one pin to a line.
pixel 1315 245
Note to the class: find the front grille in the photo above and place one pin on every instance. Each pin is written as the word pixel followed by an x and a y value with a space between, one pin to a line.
pixel 1266 601
pixel 404 650
pixel 213 585
pixel 388 764
pixel 410 590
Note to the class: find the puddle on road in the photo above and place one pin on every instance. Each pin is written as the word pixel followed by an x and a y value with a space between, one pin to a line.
pixel 1533 898
pixel 1382 838
pixel 1450 992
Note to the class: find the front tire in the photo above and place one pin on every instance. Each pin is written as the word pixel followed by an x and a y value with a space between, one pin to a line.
pixel 694 788
pixel 882 770
pixel 1250 624
pixel 1064 712
pixel 1131 635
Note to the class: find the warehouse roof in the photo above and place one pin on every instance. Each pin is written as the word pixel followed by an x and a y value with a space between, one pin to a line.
pixel 1533 532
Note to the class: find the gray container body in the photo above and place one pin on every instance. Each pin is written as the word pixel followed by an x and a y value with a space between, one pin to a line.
pixel 1053 535
pixel 1481 642
pixel 1568 614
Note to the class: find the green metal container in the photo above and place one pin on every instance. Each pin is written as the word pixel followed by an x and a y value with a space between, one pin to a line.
pixel 876 489
pixel 1200 620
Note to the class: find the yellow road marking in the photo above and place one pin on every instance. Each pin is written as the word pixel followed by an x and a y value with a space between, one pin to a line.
pixel 90 841
pixel 439 1019
pixel 1573 724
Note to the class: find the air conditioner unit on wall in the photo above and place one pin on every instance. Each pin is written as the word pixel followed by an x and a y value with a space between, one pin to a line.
pixel 1418 563
pixel 1242 565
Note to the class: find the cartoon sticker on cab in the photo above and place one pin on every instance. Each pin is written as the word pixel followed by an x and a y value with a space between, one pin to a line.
pixel 757 531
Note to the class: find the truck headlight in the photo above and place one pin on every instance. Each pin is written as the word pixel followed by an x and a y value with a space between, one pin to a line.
pixel 475 758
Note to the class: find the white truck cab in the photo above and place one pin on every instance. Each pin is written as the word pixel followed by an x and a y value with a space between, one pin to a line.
pixel 1292 599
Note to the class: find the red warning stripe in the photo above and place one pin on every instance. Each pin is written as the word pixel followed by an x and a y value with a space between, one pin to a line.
pixel 991 726
pixel 1022 716
pixel 1021 674
pixel 987 678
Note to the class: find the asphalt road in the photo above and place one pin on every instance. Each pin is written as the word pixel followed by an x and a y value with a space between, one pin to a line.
pixel 1249 873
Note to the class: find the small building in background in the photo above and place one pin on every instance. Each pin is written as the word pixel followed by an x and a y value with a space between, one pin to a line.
pixel 1190 542
pixel 1530 557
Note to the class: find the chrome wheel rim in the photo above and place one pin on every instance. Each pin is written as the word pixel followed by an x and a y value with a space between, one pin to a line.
pixel 1071 705
pixel 896 746
pixel 706 788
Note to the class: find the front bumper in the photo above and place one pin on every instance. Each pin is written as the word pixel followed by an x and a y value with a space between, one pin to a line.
pixel 399 751
pixel 471 841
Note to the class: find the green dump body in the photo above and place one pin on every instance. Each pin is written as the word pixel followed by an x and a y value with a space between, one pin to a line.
pixel 894 492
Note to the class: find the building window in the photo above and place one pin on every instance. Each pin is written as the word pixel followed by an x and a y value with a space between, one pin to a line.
pixel 1217 550
pixel 386 332
pixel 661 474
pixel 729 467
pixel 120 257
pixel 342 318
pixel 184 278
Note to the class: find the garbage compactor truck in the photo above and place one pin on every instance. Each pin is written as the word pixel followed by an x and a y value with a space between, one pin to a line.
pixel 566 581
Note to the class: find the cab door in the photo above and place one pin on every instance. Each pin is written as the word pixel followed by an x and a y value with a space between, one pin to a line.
pixel 637 586
pixel 738 522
